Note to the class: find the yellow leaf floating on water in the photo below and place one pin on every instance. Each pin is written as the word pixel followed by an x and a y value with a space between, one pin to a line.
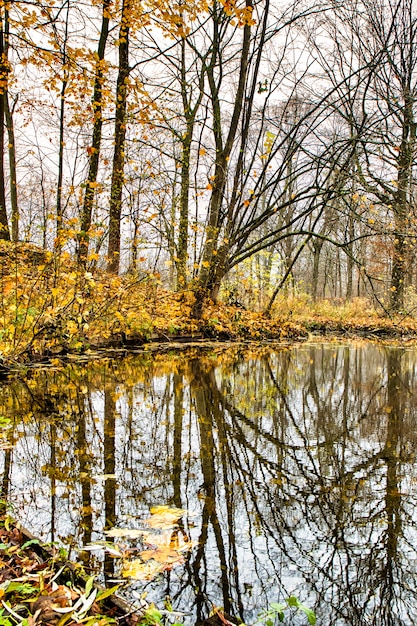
pixel 138 570
pixel 164 508
pixel 167 543
pixel 172 538
pixel 165 555
pixel 133 533
pixel 164 517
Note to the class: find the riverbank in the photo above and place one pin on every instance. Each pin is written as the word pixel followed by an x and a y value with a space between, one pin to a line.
pixel 52 309
pixel 39 586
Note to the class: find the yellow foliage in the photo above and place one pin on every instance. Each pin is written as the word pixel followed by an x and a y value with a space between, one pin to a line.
pixel 51 306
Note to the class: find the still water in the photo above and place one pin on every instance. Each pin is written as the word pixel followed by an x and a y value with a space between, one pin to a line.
pixel 296 467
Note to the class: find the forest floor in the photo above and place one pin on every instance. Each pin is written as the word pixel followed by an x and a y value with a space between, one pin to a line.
pixel 50 308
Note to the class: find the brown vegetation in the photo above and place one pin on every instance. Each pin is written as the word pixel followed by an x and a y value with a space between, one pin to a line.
pixel 51 307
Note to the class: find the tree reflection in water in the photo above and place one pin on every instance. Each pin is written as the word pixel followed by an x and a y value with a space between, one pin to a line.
pixel 296 466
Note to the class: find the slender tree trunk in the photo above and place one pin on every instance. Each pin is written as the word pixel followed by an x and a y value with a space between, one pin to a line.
pixel 4 70
pixel 350 261
pixel 12 169
pixel 317 247
pixel 94 151
pixel 213 265
pixel 401 208
pixel 190 112
pixel 59 207
pixel 117 180
pixel 11 138
pixel 182 247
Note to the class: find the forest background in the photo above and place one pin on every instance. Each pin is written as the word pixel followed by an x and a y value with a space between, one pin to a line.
pixel 156 156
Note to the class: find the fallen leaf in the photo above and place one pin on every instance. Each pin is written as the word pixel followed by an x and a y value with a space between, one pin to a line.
pixel 163 517
pixel 124 532
pixel 138 570
pixel 168 539
pixel 165 556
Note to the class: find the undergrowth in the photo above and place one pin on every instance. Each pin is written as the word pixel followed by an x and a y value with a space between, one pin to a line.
pixel 50 307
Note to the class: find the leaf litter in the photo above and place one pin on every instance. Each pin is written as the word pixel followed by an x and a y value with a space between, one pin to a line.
pixel 36 591
pixel 165 543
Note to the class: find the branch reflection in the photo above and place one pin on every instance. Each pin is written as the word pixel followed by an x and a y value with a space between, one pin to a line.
pixel 296 466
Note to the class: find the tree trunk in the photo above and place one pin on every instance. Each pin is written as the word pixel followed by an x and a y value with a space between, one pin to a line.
pixel 213 268
pixel 4 70
pixel 317 247
pixel 59 207
pixel 190 112
pixel 12 168
pixel 117 180
pixel 400 207
pixel 11 138
pixel 94 151
pixel 182 247
pixel 350 260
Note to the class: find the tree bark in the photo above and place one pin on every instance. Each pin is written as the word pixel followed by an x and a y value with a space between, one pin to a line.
pixel 94 152
pixel 11 138
pixel 401 208
pixel 117 181
pixel 4 70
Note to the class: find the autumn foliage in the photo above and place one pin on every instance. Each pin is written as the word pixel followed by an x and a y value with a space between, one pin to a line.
pixel 50 307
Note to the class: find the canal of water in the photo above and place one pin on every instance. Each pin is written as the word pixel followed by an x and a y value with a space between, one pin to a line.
pixel 293 469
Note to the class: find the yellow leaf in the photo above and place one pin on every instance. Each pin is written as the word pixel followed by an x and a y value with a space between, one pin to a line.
pixel 72 327
pixel 163 517
pixel 162 555
pixel 8 287
pixel 138 570
pixel 168 539
pixel 133 533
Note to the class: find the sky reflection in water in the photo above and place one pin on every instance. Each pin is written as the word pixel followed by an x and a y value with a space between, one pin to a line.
pixel 296 466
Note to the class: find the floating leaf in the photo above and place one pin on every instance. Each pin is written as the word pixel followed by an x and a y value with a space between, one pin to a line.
pixel 168 539
pixel 163 517
pixel 138 570
pixel 133 533
pixel 162 555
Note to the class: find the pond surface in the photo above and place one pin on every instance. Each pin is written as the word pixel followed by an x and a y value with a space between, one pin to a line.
pixel 296 468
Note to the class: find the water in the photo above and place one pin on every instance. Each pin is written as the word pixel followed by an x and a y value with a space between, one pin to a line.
pixel 296 466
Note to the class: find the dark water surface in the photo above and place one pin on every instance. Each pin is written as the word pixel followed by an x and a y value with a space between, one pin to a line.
pixel 296 466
